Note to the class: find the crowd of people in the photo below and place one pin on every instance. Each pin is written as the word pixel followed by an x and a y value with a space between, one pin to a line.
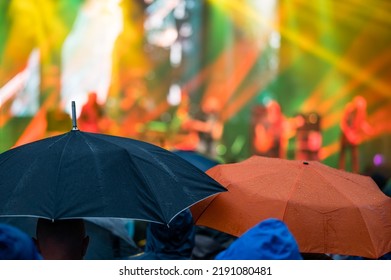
pixel 270 239
pixel 67 240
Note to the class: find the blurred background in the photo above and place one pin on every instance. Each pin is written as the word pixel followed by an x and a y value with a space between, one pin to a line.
pixel 159 70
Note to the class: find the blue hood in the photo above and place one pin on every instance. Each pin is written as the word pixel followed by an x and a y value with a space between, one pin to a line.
pixel 268 240
pixel 175 242
pixel 16 245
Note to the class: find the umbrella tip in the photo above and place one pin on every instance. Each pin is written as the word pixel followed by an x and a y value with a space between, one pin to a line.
pixel 74 120
pixel 306 162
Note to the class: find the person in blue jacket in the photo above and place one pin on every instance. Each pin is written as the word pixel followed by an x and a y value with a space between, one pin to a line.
pixel 175 242
pixel 16 244
pixel 268 240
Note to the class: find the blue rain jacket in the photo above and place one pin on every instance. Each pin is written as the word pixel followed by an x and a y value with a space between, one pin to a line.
pixel 268 240
pixel 16 245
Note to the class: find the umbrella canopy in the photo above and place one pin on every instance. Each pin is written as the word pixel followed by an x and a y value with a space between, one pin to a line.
pixel 327 210
pixel 88 175
pixel 198 160
pixel 109 239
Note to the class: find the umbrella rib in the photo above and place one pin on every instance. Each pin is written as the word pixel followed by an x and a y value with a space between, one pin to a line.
pixel 96 166
pixel 59 168
pixel 206 207
pixel 173 176
pixel 325 179
pixel 291 192
pixel 29 167
pixel 10 155
pixel 348 198
pixel 17 187
pixel 141 176
pixel 138 170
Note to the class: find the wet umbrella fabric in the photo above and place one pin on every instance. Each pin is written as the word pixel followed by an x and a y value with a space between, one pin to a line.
pixel 327 210
pixel 87 175
pixel 208 241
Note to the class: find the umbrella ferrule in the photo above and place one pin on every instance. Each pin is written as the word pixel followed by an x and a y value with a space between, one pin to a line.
pixel 74 120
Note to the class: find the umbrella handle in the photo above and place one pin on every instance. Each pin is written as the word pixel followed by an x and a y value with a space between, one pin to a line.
pixel 74 120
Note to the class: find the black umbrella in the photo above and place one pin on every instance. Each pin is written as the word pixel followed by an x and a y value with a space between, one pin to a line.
pixel 87 175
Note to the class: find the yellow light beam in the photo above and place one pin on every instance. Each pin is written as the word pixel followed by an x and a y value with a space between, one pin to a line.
pixel 307 44
pixel 328 110
pixel 223 85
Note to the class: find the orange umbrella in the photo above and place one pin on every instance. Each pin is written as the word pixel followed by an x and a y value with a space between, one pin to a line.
pixel 327 210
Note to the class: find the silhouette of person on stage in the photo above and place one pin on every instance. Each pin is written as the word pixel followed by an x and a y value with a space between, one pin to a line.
pixel 208 125
pixel 268 130
pixel 90 115
pixel 354 126
pixel 272 129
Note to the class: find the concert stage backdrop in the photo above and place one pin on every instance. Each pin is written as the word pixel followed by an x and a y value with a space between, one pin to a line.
pixel 156 64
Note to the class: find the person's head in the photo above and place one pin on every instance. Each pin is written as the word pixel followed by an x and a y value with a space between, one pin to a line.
pixel 16 245
pixel 61 239
pixel 273 111
pixel 211 105
pixel 173 242
pixel 92 97
pixel 360 102
pixel 268 240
